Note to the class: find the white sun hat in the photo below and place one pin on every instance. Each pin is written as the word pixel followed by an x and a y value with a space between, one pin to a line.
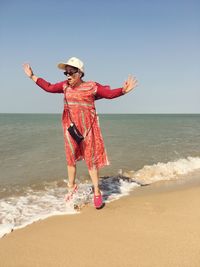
pixel 74 62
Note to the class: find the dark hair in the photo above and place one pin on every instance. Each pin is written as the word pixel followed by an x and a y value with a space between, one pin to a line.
pixel 82 74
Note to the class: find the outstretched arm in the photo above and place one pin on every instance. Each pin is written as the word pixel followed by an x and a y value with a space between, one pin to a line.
pixel 48 87
pixel 51 88
pixel 107 92
pixel 104 91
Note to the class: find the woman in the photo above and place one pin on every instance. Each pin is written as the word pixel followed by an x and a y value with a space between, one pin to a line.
pixel 79 108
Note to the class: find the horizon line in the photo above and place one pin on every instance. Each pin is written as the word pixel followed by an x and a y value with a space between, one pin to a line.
pixel 50 113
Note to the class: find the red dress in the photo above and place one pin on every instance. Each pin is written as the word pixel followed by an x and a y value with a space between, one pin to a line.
pixel 80 104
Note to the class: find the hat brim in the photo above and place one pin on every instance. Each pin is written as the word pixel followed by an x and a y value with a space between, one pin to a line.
pixel 62 66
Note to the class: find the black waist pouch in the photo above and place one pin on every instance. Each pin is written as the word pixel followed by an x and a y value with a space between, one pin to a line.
pixel 75 134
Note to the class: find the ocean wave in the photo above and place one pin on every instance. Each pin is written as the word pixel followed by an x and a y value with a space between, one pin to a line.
pixel 33 204
pixel 164 171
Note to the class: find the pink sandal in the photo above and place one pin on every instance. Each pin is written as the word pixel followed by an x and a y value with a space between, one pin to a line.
pixel 98 201
pixel 71 192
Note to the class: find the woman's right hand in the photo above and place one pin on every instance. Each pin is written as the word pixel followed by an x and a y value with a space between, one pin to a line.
pixel 28 70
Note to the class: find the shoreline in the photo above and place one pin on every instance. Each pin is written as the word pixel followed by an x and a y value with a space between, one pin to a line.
pixel 187 181
pixel 157 225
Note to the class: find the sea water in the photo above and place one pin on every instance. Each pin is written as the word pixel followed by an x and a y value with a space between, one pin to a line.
pixel 142 149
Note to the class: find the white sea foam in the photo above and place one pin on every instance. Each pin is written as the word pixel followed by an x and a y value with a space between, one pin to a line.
pixel 165 171
pixel 20 210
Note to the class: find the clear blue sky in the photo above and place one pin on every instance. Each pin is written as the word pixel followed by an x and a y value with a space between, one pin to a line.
pixel 157 41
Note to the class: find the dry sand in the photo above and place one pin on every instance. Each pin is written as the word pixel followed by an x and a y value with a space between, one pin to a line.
pixel 149 229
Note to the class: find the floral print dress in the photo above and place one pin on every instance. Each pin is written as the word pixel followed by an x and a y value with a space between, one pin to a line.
pixel 80 105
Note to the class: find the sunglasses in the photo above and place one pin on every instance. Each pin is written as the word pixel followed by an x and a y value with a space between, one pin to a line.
pixel 70 72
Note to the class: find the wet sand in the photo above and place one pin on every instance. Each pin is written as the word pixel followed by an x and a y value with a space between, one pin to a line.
pixel 154 226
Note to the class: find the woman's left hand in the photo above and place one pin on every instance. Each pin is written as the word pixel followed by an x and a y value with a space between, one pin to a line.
pixel 129 84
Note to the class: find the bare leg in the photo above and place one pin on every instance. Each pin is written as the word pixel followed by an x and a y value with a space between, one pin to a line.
pixel 72 188
pixel 71 176
pixel 94 174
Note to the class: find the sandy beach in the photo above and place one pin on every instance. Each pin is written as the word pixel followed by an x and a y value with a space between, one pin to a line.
pixel 149 228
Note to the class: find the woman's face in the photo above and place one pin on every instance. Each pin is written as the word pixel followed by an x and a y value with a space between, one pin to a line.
pixel 73 75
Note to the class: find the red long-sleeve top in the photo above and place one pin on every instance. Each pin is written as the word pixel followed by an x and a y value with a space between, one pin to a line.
pixel 103 91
